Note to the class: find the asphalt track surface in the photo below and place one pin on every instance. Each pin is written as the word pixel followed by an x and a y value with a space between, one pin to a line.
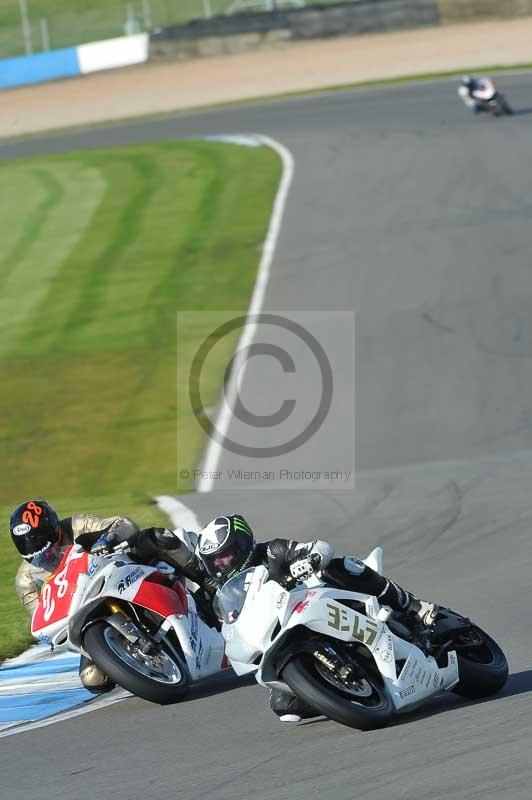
pixel 418 216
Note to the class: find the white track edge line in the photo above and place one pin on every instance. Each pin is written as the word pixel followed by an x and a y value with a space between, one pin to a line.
pixel 177 511
pixel 211 458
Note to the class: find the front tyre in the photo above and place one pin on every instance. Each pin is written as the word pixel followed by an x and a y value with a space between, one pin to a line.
pixel 363 704
pixel 482 665
pixel 159 677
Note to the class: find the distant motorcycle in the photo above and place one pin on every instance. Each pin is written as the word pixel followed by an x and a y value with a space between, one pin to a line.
pixel 347 657
pixel 481 95
pixel 139 624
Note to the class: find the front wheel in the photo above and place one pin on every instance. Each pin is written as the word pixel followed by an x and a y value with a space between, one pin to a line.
pixel 359 702
pixel 482 665
pixel 159 677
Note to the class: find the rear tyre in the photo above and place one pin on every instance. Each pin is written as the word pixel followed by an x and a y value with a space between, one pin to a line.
pixel 161 678
pixel 482 665
pixel 365 707
pixel 503 105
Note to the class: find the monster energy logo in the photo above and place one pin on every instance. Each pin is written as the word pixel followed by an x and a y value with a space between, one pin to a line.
pixel 240 524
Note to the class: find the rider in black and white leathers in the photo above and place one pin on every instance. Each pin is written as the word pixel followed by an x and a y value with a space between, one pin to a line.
pixel 475 92
pixel 227 546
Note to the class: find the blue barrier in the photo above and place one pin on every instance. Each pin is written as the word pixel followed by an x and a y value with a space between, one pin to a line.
pixel 38 68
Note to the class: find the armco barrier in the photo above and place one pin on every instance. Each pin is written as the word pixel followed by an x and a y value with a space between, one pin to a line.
pixel 38 68
pixel 67 63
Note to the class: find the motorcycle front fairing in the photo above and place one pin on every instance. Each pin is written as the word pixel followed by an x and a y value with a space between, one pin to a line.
pixel 203 647
pixel 127 581
pixel 415 678
pixel 271 615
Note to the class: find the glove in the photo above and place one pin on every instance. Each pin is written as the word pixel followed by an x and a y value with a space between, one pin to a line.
pixel 305 567
pixel 162 538
pixel 104 545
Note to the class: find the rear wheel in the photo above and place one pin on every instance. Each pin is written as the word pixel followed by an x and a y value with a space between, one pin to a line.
pixel 502 105
pixel 482 665
pixel 160 676
pixel 358 700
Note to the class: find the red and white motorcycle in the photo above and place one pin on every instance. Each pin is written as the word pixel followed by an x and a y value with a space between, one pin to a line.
pixel 139 624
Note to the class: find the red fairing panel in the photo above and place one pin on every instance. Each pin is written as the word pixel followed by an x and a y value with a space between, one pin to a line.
pixel 164 601
pixel 56 593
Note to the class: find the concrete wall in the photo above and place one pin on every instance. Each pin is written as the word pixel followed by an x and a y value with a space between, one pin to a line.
pixel 469 10
pixel 248 31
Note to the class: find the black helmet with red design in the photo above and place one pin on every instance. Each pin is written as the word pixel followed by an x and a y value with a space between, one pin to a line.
pixel 35 529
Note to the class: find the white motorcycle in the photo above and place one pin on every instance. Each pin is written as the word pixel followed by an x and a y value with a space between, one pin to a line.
pixel 139 624
pixel 485 98
pixel 346 656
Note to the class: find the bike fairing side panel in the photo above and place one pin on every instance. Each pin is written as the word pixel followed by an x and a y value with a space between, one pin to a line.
pixel 202 646
pixel 161 599
pixel 419 678
pixel 67 587
pixel 81 586
pixel 57 593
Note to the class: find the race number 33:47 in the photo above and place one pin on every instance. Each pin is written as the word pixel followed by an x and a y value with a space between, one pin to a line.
pixel 361 628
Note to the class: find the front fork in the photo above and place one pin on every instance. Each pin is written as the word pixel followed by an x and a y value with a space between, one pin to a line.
pixel 129 629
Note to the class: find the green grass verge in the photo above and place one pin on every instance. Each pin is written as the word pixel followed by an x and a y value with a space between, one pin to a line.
pixel 100 251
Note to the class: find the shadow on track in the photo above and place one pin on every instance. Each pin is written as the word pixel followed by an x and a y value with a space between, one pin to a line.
pixel 522 112
pixel 518 683
pixel 217 685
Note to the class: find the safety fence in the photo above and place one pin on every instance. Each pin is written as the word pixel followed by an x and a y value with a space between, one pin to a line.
pixel 32 26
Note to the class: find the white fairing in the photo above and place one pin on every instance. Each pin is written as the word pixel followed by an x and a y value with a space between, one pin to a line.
pixel 117 576
pixel 374 560
pixel 484 92
pixel 270 611
pixel 485 89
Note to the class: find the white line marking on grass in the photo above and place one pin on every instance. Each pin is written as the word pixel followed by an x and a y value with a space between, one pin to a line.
pixel 214 449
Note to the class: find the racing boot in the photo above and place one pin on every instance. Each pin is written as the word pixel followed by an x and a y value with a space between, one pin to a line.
pixel 404 602
pixel 290 708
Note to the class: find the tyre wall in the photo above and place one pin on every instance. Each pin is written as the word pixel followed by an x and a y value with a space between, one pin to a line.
pixel 247 31
pixel 469 10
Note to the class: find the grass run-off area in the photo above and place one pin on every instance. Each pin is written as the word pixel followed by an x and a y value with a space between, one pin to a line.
pixel 100 250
